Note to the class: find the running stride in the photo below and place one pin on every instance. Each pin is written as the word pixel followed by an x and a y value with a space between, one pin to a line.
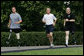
pixel 49 20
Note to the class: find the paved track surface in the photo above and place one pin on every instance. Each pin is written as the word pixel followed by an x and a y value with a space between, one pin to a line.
pixel 30 48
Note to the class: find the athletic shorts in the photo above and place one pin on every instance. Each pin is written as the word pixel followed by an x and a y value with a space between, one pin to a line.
pixel 70 26
pixel 49 28
pixel 17 30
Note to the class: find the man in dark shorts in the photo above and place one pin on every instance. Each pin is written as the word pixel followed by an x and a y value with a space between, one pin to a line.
pixel 49 20
pixel 14 22
pixel 69 20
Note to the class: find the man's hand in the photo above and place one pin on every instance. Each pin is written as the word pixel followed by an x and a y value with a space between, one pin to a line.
pixel 8 25
pixel 67 20
pixel 72 20
pixel 64 24
pixel 17 22
pixel 43 21
pixel 54 24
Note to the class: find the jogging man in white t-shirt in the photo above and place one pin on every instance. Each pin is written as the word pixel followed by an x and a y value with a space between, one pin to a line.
pixel 49 20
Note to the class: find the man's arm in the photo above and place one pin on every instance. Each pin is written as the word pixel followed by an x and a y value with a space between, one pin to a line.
pixel 54 22
pixel 18 22
pixel 9 23
pixel 64 22
pixel 43 21
pixel 72 20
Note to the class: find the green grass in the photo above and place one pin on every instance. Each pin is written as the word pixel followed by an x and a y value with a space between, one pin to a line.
pixel 59 51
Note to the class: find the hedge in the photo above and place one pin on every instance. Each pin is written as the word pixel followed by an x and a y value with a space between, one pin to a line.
pixel 40 39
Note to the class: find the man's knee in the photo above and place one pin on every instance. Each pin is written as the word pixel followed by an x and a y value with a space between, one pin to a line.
pixel 67 33
pixel 18 35
pixel 47 35
pixel 51 34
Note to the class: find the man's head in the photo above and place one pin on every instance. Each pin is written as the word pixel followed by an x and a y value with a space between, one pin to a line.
pixel 68 10
pixel 48 10
pixel 13 9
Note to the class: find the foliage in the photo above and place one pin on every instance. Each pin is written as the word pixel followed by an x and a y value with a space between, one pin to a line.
pixel 40 39
pixel 33 11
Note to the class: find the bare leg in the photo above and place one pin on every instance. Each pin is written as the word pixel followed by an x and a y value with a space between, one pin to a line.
pixel 18 38
pixel 18 35
pixel 48 35
pixel 67 37
pixel 51 38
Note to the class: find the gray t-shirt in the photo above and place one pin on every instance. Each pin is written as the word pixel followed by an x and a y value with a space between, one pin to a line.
pixel 14 17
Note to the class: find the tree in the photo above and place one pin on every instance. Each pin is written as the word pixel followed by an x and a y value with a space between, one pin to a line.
pixel 33 11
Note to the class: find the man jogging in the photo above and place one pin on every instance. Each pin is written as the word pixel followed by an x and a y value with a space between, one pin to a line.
pixel 69 20
pixel 14 22
pixel 49 20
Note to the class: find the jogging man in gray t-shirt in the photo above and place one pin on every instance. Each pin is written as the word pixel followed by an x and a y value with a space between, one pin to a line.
pixel 14 22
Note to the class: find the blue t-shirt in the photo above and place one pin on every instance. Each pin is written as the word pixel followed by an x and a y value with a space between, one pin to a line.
pixel 15 17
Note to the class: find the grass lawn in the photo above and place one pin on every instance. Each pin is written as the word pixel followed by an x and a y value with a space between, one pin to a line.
pixel 59 51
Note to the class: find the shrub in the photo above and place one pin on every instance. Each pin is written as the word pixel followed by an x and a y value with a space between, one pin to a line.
pixel 40 39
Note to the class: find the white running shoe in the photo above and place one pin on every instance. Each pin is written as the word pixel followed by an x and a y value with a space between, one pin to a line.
pixel 52 45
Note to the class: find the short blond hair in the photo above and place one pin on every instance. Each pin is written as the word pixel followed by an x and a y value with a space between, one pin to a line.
pixel 48 9
pixel 14 7
pixel 68 8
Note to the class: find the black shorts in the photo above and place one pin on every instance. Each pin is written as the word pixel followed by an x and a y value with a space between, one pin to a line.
pixel 70 26
pixel 49 28
pixel 17 30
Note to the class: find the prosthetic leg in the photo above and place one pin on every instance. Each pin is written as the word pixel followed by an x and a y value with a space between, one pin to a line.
pixel 7 42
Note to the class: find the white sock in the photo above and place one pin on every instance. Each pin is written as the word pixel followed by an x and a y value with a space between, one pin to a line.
pixel 67 37
pixel 18 35
pixel 66 42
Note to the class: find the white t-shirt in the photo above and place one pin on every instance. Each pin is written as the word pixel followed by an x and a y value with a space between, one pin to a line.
pixel 49 19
